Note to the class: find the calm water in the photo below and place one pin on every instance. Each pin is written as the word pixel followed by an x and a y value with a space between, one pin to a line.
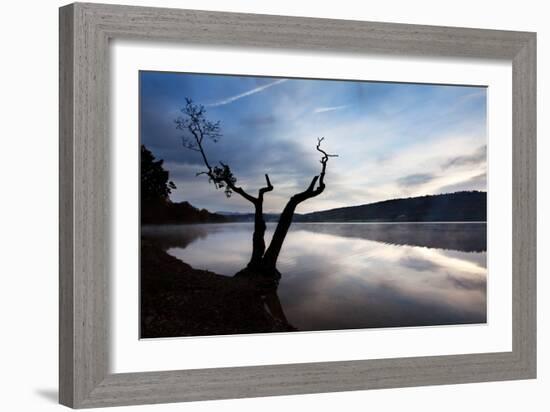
pixel 354 275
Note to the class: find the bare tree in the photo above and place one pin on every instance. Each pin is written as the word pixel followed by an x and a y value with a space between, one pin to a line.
pixel 315 188
pixel 197 128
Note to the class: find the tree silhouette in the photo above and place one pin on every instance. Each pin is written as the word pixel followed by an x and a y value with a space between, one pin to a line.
pixel 197 130
pixel 155 186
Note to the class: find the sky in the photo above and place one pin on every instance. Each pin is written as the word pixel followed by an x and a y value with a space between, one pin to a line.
pixel 393 140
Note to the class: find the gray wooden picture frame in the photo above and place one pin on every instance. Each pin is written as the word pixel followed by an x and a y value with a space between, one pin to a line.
pixel 85 31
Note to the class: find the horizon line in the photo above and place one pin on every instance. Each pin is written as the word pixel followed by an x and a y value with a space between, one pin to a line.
pixel 356 205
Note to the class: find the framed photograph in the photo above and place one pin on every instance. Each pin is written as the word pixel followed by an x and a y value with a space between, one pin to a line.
pixel 256 205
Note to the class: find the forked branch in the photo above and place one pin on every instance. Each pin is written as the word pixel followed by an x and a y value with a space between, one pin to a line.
pixel 313 191
pixel 267 188
pixel 315 188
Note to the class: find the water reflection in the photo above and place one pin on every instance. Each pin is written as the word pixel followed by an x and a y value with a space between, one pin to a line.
pixel 344 276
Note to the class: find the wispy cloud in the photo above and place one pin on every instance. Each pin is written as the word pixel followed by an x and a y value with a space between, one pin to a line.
pixel 416 179
pixel 231 99
pixel 329 109
pixel 479 156
pixel 478 94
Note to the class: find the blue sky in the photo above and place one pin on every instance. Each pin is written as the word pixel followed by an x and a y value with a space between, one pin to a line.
pixel 393 139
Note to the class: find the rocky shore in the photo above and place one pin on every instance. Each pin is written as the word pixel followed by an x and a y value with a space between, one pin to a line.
pixel 178 300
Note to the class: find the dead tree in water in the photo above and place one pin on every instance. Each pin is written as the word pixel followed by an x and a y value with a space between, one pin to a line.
pixel 262 262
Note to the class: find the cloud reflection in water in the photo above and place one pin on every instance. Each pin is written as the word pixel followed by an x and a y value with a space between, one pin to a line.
pixel 335 276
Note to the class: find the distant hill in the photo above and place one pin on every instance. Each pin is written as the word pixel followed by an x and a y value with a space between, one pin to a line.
pixel 451 207
pixel 249 217
pixel 173 213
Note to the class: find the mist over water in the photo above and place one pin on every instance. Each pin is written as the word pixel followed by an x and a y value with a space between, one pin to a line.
pixel 354 275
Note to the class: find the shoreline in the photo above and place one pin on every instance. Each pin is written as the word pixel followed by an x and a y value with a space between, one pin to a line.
pixel 178 300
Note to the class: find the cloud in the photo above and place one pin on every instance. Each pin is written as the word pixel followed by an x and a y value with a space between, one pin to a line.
pixel 479 156
pixel 231 99
pixel 467 98
pixel 397 143
pixel 416 179
pixel 329 109
pixel 259 120
pixel 418 264
pixel 458 282
pixel 477 182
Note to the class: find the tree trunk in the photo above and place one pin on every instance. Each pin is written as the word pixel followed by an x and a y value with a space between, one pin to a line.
pixel 285 220
pixel 258 242
pixel 255 265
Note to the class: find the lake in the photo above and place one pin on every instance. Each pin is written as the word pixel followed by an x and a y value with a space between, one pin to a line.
pixel 354 275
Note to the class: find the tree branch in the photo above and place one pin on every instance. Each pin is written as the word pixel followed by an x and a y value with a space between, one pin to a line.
pixel 285 220
pixel 265 189
pixel 324 161
pixel 198 127
pixel 312 191
pixel 240 191
pixel 228 181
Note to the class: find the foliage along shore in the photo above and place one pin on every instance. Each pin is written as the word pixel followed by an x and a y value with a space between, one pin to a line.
pixel 166 212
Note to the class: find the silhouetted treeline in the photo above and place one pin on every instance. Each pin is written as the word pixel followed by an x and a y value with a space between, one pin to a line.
pixel 173 213
pixel 156 185
pixel 451 207
pixel 156 206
